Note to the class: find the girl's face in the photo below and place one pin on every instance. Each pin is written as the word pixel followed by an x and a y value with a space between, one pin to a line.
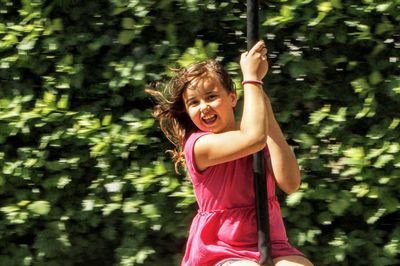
pixel 209 105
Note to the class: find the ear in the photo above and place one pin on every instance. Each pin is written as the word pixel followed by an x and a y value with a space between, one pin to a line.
pixel 233 97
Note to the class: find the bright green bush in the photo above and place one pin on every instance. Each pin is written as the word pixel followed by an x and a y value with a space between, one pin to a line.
pixel 84 176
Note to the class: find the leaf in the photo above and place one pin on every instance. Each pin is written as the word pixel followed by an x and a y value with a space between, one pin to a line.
pixel 128 23
pixel 318 116
pixel 294 198
pixel 40 207
pixel 125 37
pixel 372 219
pixel 339 206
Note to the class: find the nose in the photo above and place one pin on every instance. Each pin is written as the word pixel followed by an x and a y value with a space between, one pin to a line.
pixel 204 107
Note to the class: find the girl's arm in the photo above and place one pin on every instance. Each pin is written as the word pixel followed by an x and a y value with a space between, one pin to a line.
pixel 251 136
pixel 282 161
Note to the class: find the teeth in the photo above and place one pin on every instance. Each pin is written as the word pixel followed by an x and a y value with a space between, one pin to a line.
pixel 208 117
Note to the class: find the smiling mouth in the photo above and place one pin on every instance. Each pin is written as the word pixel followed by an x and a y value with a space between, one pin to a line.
pixel 209 119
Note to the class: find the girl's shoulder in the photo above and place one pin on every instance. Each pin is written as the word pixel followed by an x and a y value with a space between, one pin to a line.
pixel 191 139
pixel 188 151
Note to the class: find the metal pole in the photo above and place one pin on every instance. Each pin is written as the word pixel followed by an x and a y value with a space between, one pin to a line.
pixel 260 183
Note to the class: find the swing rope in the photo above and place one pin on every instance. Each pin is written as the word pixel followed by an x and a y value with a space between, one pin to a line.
pixel 260 183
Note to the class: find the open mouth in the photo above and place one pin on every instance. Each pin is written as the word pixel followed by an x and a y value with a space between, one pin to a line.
pixel 209 119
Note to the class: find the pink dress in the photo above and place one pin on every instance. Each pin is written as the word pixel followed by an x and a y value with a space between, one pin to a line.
pixel 225 226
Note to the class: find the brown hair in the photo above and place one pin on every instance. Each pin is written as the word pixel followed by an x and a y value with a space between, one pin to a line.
pixel 170 109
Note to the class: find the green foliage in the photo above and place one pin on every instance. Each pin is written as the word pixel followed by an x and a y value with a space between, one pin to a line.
pixel 84 178
pixel 344 57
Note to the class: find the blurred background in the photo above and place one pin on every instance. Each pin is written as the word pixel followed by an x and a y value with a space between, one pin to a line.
pixel 84 177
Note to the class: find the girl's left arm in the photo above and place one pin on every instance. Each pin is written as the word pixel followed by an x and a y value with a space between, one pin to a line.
pixel 283 161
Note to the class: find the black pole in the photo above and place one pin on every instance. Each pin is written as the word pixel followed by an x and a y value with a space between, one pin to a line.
pixel 260 183
pixel 252 23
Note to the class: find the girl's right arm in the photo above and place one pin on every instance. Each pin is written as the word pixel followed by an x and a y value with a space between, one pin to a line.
pixel 251 136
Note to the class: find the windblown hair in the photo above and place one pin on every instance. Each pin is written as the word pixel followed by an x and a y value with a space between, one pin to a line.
pixel 170 109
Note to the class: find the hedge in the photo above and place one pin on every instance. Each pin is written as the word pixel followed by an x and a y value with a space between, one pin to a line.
pixel 85 179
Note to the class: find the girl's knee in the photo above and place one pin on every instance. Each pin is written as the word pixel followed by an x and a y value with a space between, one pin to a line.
pixel 244 263
pixel 292 261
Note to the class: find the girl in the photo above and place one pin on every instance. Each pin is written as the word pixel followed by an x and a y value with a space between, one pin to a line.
pixel 197 116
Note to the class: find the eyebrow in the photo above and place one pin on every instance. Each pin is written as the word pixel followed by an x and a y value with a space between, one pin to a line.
pixel 211 91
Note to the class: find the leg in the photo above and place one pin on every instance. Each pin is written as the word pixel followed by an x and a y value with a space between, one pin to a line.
pixel 240 263
pixel 292 261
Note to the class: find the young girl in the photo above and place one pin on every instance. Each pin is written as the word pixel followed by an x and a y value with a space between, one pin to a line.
pixel 197 115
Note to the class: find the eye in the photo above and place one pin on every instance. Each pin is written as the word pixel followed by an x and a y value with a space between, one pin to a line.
pixel 192 103
pixel 212 96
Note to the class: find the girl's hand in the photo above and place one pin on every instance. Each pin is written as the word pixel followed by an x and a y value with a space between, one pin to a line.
pixel 254 63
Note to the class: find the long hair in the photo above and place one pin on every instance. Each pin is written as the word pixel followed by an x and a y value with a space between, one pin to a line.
pixel 170 109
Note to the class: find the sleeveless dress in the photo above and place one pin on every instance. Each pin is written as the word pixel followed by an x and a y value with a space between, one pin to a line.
pixel 225 226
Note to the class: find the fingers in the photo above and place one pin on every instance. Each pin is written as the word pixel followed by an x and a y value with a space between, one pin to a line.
pixel 243 55
pixel 254 63
pixel 258 47
pixel 264 50
pixel 264 53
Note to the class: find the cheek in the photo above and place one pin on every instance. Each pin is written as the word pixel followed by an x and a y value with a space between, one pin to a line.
pixel 216 104
pixel 223 106
pixel 192 112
